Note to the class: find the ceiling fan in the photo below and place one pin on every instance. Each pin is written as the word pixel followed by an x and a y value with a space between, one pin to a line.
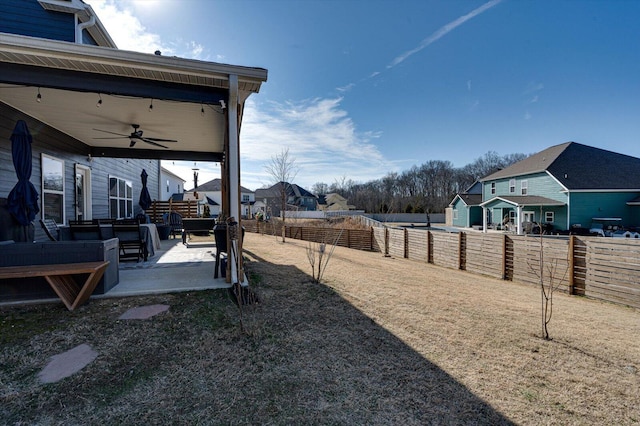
pixel 136 136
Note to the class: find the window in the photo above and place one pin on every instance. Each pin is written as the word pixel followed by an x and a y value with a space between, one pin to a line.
pixel 245 198
pixel 524 186
pixel 120 198
pixel 52 188
pixel 512 186
pixel 167 185
pixel 455 214
pixel 493 187
pixel 548 217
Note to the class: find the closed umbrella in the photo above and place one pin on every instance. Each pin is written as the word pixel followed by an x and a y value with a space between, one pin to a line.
pixel 22 202
pixel 145 197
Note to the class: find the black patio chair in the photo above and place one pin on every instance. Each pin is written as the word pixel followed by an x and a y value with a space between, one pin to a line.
pixel 130 242
pixel 174 220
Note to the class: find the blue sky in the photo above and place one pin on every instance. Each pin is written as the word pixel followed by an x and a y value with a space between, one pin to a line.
pixel 360 88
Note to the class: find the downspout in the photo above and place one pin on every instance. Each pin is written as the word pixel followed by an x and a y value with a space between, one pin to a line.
pixel 81 26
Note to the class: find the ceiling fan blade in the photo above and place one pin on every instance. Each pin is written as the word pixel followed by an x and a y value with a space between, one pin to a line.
pixel 113 133
pixel 119 137
pixel 159 140
pixel 153 143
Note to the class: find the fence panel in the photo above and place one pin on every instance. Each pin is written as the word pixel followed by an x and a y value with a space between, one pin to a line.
pixel 484 254
pixel 378 239
pixel 417 244
pixel 396 242
pixel 613 270
pixel 579 265
pixel 446 249
pixel 187 209
pixel 526 261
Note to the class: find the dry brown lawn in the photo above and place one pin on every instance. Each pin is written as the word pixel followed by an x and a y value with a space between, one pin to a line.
pixel 380 341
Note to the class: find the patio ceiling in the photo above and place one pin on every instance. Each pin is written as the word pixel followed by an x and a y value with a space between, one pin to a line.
pixel 73 78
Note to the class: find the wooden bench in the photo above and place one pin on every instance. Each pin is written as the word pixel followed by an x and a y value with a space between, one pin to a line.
pixel 60 278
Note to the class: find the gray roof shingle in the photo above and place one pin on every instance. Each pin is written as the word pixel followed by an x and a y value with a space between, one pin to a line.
pixel 579 167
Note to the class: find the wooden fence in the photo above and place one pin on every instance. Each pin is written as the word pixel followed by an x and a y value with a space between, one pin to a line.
pixel 601 268
pixel 187 209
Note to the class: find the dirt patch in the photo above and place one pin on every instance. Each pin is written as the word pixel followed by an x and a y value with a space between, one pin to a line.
pixel 382 341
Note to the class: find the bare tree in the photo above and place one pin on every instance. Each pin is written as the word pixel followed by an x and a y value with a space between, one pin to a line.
pixel 282 168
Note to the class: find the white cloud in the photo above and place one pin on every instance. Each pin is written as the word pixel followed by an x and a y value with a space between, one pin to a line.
pixel 441 32
pixel 319 135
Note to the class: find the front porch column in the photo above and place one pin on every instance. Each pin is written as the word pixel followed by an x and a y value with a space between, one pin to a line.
pixel 484 220
pixel 519 219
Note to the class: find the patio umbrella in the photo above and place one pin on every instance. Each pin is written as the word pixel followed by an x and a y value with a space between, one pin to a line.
pixel 145 197
pixel 22 202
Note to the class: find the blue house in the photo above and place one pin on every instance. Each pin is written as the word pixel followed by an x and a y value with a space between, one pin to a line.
pixel 99 115
pixel 563 187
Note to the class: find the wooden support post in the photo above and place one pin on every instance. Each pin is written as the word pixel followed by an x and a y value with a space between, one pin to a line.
pixel 504 256
pixel 571 261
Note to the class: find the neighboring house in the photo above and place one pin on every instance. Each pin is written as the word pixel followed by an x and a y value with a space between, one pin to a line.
pixel 465 207
pixel 210 193
pixel 333 202
pixel 564 187
pixel 297 199
pixel 85 186
pixel 170 184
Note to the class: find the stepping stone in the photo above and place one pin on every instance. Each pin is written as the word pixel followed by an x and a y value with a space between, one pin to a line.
pixel 67 363
pixel 144 312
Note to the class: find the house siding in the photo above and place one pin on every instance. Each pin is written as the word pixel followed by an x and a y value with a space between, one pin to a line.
pixel 587 205
pixel 461 210
pixel 540 184
pixel 27 17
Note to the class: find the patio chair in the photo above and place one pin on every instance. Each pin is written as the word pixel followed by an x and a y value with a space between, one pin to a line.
pixel 50 228
pixel 174 220
pixel 85 230
pixel 130 242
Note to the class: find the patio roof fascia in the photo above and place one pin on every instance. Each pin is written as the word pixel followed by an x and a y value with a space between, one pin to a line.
pixel 25 50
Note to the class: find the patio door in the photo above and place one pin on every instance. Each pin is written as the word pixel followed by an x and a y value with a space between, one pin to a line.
pixel 83 193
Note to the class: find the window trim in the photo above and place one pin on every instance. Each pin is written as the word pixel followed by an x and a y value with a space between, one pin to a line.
pixel 60 169
pixel 548 214
pixel 118 197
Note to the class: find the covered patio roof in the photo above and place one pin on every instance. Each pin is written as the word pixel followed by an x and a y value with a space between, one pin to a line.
pixel 524 201
pixel 168 97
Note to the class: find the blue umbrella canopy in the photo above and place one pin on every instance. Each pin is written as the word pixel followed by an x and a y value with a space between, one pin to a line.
pixel 145 197
pixel 22 202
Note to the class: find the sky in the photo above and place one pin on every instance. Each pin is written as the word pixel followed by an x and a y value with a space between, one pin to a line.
pixel 358 89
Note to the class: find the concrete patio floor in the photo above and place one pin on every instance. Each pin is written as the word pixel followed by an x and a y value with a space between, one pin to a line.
pixel 174 267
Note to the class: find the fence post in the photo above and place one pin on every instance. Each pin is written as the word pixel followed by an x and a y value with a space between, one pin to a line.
pixel 386 241
pixel 406 243
pixel 571 260
pixel 428 246
pixel 504 256
pixel 461 250
pixel 348 239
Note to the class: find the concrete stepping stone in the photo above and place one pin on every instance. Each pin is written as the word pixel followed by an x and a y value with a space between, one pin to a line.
pixel 144 312
pixel 67 363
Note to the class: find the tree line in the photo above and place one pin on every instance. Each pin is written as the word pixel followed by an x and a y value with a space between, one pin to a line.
pixel 428 188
